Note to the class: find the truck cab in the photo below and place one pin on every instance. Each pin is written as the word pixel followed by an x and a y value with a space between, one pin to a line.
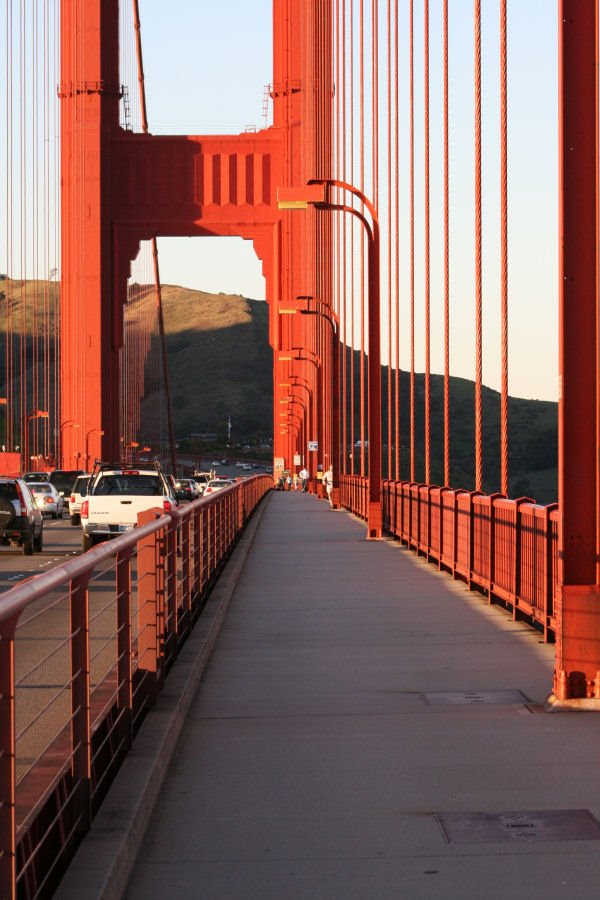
pixel 117 493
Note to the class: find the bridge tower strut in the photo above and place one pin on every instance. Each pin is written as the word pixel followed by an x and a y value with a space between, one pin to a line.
pixel 119 188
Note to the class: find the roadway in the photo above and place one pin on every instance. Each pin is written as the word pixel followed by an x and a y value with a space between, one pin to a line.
pixel 42 660
pixel 61 540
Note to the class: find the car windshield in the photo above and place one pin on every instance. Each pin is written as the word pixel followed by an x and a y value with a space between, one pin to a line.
pixel 63 480
pixel 40 488
pixel 138 485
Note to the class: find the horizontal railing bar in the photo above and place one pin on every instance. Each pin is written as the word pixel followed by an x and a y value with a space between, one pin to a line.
pixel 20 596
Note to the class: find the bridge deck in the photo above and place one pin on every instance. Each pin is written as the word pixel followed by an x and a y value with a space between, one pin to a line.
pixel 343 708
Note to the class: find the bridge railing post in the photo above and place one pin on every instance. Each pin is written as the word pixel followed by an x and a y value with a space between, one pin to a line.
pixel 549 568
pixel 124 638
pixel 491 573
pixel 81 759
pixel 172 548
pixel 186 580
pixel 8 832
pixel 151 613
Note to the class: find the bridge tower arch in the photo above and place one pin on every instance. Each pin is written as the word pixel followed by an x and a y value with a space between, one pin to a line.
pixel 120 188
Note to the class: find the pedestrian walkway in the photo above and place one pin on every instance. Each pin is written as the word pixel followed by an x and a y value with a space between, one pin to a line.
pixel 368 728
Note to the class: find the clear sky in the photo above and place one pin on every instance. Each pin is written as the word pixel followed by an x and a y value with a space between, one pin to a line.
pixel 206 67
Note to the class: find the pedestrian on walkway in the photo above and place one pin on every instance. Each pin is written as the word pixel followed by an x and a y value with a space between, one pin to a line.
pixel 304 476
pixel 328 482
pixel 288 483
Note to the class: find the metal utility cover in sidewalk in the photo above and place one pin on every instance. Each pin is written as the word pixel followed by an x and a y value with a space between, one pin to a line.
pixel 455 698
pixel 545 825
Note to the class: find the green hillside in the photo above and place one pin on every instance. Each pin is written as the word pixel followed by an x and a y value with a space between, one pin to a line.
pixel 532 432
pixel 220 366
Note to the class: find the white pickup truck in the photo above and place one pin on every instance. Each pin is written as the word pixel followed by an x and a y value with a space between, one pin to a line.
pixel 117 494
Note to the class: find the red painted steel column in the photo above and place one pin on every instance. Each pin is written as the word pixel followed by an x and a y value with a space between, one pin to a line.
pixel 336 457
pixel 374 412
pixel 578 616
pixel 291 90
pixel 8 832
pixel 89 92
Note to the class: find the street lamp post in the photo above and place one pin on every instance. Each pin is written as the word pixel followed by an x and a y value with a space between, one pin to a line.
pixel 34 414
pixel 316 193
pixel 287 403
pixel 329 316
pixel 69 423
pixel 4 433
pixel 92 431
pixel 316 362
pixel 299 382
pixel 375 522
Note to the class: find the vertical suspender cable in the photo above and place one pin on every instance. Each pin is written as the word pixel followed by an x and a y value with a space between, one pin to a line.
pixel 427 280
pixel 33 193
pixel 337 456
pixel 361 182
pixel 9 225
pixel 161 325
pixel 397 237
pixel 446 261
pixel 478 242
pixel 22 373
pixel 54 338
pixel 412 247
pixel 343 336
pixel 390 407
pixel 46 226
pixel 352 254
pixel 375 100
pixel 504 253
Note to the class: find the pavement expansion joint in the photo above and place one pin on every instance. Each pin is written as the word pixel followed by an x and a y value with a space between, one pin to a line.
pixel 460 698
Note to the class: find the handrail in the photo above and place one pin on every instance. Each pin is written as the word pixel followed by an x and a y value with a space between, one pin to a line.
pixel 120 613
pixel 17 598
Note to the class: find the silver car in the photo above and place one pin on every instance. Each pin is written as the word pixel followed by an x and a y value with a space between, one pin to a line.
pixel 46 498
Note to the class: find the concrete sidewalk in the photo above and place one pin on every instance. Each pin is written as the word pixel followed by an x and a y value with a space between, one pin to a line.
pixel 367 728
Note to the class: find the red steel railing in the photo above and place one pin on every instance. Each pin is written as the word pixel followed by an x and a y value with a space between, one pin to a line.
pixel 84 650
pixel 507 548
pixel 354 494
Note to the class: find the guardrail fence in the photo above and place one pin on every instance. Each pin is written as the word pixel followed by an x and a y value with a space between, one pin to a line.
pixel 506 548
pixel 84 650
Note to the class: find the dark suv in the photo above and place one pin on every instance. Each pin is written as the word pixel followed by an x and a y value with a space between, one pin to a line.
pixel 64 479
pixel 21 522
